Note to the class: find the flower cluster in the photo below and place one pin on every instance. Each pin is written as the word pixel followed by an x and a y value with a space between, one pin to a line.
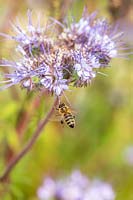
pixel 71 58
pixel 75 187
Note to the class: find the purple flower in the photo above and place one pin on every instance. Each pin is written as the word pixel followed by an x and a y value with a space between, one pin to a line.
pixel 32 38
pixel 93 36
pixel 49 191
pixel 75 187
pixel 99 191
pixel 84 67
pixel 56 62
pixel 55 83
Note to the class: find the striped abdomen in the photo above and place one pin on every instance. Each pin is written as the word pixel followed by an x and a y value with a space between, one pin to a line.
pixel 69 119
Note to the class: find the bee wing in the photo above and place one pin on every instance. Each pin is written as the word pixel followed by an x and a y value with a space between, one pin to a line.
pixel 56 117
pixel 73 111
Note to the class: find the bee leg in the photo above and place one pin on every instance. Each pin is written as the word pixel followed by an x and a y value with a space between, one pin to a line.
pixel 74 116
pixel 57 115
pixel 62 122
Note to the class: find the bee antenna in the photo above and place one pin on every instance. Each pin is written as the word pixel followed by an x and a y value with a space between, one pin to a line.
pixel 66 98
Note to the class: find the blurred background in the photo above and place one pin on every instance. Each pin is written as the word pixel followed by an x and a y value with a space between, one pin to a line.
pixel 98 144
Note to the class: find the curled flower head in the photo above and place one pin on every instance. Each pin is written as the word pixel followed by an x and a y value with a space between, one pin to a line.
pixel 76 186
pixel 71 58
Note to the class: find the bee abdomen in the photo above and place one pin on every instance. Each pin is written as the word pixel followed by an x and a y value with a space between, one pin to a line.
pixel 69 120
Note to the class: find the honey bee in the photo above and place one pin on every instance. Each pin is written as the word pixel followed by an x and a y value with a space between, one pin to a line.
pixel 66 115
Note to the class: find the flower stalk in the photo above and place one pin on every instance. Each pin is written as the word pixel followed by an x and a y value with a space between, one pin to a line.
pixel 29 144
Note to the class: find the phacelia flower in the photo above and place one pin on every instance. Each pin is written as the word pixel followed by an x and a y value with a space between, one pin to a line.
pixel 55 82
pixel 53 63
pixel 75 187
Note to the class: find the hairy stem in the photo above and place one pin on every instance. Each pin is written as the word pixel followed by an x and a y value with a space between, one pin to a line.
pixel 29 144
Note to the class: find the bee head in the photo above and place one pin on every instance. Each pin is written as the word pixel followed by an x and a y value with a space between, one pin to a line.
pixel 61 105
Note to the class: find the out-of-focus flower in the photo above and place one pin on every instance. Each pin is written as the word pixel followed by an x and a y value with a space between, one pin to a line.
pixel 75 187
pixel 99 191
pixel 128 155
pixel 55 62
pixel 49 191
